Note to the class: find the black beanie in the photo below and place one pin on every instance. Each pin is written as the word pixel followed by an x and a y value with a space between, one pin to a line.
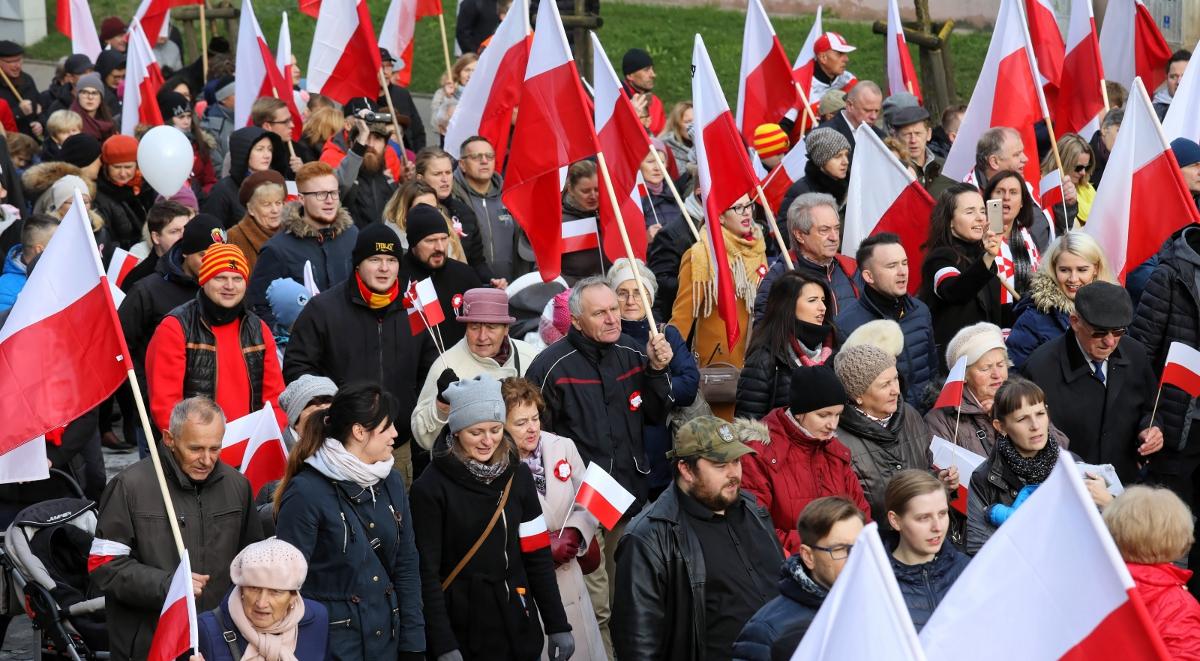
pixel 422 221
pixel 173 104
pixel 635 59
pixel 80 150
pixel 376 239
pixel 109 61
pixel 815 388
pixel 201 232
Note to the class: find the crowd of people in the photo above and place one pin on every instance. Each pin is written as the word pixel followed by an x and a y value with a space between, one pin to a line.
pixel 428 505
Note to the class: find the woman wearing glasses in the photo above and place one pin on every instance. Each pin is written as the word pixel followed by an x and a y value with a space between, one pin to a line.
pixel 89 103
pixel 1078 163
pixel 696 312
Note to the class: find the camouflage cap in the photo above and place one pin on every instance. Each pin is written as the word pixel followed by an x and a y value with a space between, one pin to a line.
pixel 709 437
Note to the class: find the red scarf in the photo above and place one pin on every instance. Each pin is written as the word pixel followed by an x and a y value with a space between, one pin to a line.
pixel 373 300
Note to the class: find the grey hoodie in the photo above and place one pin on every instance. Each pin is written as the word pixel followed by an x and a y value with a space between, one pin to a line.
pixel 497 228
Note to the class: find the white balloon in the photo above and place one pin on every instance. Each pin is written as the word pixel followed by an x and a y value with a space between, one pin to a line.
pixel 165 159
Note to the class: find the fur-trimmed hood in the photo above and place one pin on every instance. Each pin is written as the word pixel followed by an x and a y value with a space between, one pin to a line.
pixel 293 222
pixel 39 178
pixel 1046 295
pixel 751 430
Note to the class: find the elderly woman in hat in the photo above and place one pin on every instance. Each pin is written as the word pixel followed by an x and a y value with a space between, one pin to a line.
pixel 487 348
pixel 262 194
pixel 264 617
pixel 122 197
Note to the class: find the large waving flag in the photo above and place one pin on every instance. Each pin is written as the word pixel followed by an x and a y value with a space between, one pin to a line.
pixel 488 100
pixel 765 88
pixel 74 19
pixel 1079 100
pixel 344 61
pixel 1132 45
pixel 258 73
pixel 177 632
pixel 1183 115
pixel 254 444
pixel 865 598
pixel 724 171
pixel 902 75
pixel 65 311
pixel 1054 572
pixel 883 196
pixel 622 139
pixel 396 33
pixel 554 129
pixel 1143 197
pixel 154 14
pixel 1006 94
pixel 143 79
pixel 1047 41
pixel 806 59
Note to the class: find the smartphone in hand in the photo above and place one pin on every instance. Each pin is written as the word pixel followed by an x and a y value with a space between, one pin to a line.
pixel 995 214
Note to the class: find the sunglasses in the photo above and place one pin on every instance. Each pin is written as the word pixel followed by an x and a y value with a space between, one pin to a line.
pixel 1115 332
pixel 1081 168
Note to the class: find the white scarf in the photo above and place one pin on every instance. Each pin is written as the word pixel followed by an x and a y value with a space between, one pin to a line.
pixel 336 463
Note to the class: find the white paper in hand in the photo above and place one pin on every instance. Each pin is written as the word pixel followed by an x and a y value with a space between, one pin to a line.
pixel 947 454
pixel 1105 472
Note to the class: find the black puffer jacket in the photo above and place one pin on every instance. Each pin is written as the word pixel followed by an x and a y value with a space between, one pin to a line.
pixel 222 200
pixel 879 452
pixel 766 381
pixel 123 211
pixel 969 296
pixel 924 586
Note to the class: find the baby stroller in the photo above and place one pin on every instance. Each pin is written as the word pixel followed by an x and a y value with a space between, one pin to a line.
pixel 45 573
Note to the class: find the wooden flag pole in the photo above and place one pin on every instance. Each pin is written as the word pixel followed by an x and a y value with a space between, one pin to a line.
pixel 11 88
pixel 1154 411
pixel 156 460
pixel 203 41
pixel 445 45
pixel 395 123
pixel 612 198
pixel 808 111
pixel 762 199
pixel 675 193
pixel 1061 172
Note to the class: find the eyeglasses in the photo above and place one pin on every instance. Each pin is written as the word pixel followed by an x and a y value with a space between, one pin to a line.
pixel 481 156
pixel 1080 169
pixel 323 195
pixel 1115 332
pixel 742 209
pixel 88 92
pixel 839 552
pixel 289 121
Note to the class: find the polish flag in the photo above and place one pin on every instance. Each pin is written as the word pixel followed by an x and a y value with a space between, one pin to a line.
pixel 554 129
pixel 254 445
pixel 344 60
pixel 948 455
pixel 283 52
pixel 310 7
pixel 74 19
pixel 883 196
pixel 258 73
pixel 534 534
pixel 902 75
pixel 1079 101
pixel 580 234
pixel 806 59
pixel 724 172
pixel 765 89
pixel 865 597
pixel 153 15
pixel 1143 198
pixel 952 392
pixel 424 310
pixel 789 171
pixel 603 496
pixel 1183 115
pixel 143 79
pixel 1132 45
pixel 396 33
pixel 1055 572
pixel 1047 41
pixel 1182 368
pixel 66 311
pixel 120 265
pixel 177 632
pixel 623 140
pixel 1009 73
pixel 488 100
pixel 104 551
pixel 1051 187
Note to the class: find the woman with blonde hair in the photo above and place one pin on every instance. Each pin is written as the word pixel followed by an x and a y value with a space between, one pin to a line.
pixel 677 136
pixel 1079 162
pixel 1073 260
pixel 408 195
pixel 321 125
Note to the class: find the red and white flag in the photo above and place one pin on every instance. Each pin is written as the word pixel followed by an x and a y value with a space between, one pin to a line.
pixel 488 100
pixel 865 597
pixel 603 496
pixel 1132 45
pixel 66 311
pixel 952 392
pixel 258 73
pixel 1056 574
pixel 120 265
pixel 806 59
pixel 1007 93
pixel 104 551
pixel 1079 100
pixel 254 444
pixel 1183 115
pixel 580 234
pixel 554 129
pixel 1047 41
pixel 344 60
pixel 902 75
pixel 883 196
pixel 424 310
pixel 1182 368
pixel 534 534
pixel 724 172
pixel 74 19
pixel 789 171
pixel 399 26
pixel 948 455
pixel 1051 187
pixel 1143 197
pixel 177 632
pixel 765 88
pixel 143 78
pixel 154 15
pixel 623 140
pixel 283 51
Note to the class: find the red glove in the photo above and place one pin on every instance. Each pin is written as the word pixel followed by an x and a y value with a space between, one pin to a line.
pixel 565 547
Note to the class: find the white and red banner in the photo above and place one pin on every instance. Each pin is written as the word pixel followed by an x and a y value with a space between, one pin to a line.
pixel 534 534
pixel 947 455
pixel 602 496
pixel 790 170
pixel 554 129
pixel 143 79
pixel 806 59
pixel 104 551
pixel 765 87
pixel 154 15
pixel 902 75
pixel 883 196
pixel 258 73
pixel 1183 115
pixel 65 311
pixel 1132 45
pixel 396 33
pixel 952 391
pixel 120 265
pixel 1079 99
pixel 1057 576
pixel 177 632
pixel 283 51
pixel 424 310
pixel 1182 368
pixel 488 100
pixel 344 61
pixel 1143 197
pixel 75 20
pixel 1052 188
pixel 580 234
pixel 254 444
pixel 1047 41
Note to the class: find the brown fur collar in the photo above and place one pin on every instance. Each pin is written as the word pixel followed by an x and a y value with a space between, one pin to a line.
pixel 293 222
pixel 1047 297
pixel 39 178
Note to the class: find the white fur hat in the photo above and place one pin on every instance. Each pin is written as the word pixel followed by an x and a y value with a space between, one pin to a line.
pixel 883 333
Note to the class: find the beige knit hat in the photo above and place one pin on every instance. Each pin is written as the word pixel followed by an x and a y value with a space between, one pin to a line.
pixel 272 563
pixel 859 366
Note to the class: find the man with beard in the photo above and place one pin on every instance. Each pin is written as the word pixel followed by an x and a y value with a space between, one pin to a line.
pixel 638 68
pixel 700 561
pixel 426 258
pixel 366 180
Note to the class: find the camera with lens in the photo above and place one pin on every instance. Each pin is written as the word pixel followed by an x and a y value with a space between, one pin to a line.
pixel 376 117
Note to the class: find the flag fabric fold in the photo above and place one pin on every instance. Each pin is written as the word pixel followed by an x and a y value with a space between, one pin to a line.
pixel 603 496
pixel 396 35
pixel 1079 101
pixel 258 72
pixel 1132 46
pixel 765 89
pixel 177 632
pixel 254 444
pixel 74 19
pixel 154 14
pixel 143 79
pixel 1047 41
pixel 1183 115
pixel 902 75
pixel 806 59
pixel 952 391
pixel 344 60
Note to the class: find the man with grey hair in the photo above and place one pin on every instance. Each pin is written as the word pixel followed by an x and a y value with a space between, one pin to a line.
pixel 134 556
pixel 816 232
pixel 600 390
pixel 864 102
pixel 999 148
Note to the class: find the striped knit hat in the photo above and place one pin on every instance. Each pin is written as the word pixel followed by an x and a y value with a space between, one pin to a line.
pixel 770 140
pixel 222 258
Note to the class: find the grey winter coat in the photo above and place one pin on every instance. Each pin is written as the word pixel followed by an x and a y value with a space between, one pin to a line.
pixel 878 452
pixel 499 233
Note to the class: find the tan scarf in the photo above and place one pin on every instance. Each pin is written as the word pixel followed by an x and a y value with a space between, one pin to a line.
pixel 275 643
pixel 747 262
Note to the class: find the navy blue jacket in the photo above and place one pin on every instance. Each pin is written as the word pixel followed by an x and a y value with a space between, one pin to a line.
pixel 924 586
pixel 841 275
pixel 374 611
pixel 1041 316
pixel 787 615
pixel 312 640
pixel 918 362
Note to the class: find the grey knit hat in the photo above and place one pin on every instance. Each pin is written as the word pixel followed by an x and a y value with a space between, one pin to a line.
pixel 473 401
pixel 90 81
pixel 824 144
pixel 296 396
pixel 859 366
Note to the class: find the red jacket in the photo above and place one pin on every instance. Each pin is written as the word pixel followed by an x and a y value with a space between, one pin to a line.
pixel 790 470
pixel 1172 608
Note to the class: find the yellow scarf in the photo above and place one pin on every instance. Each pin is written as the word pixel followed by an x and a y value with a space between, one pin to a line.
pixel 747 264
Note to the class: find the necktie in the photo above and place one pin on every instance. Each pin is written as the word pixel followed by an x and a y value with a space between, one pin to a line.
pixel 1098 369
